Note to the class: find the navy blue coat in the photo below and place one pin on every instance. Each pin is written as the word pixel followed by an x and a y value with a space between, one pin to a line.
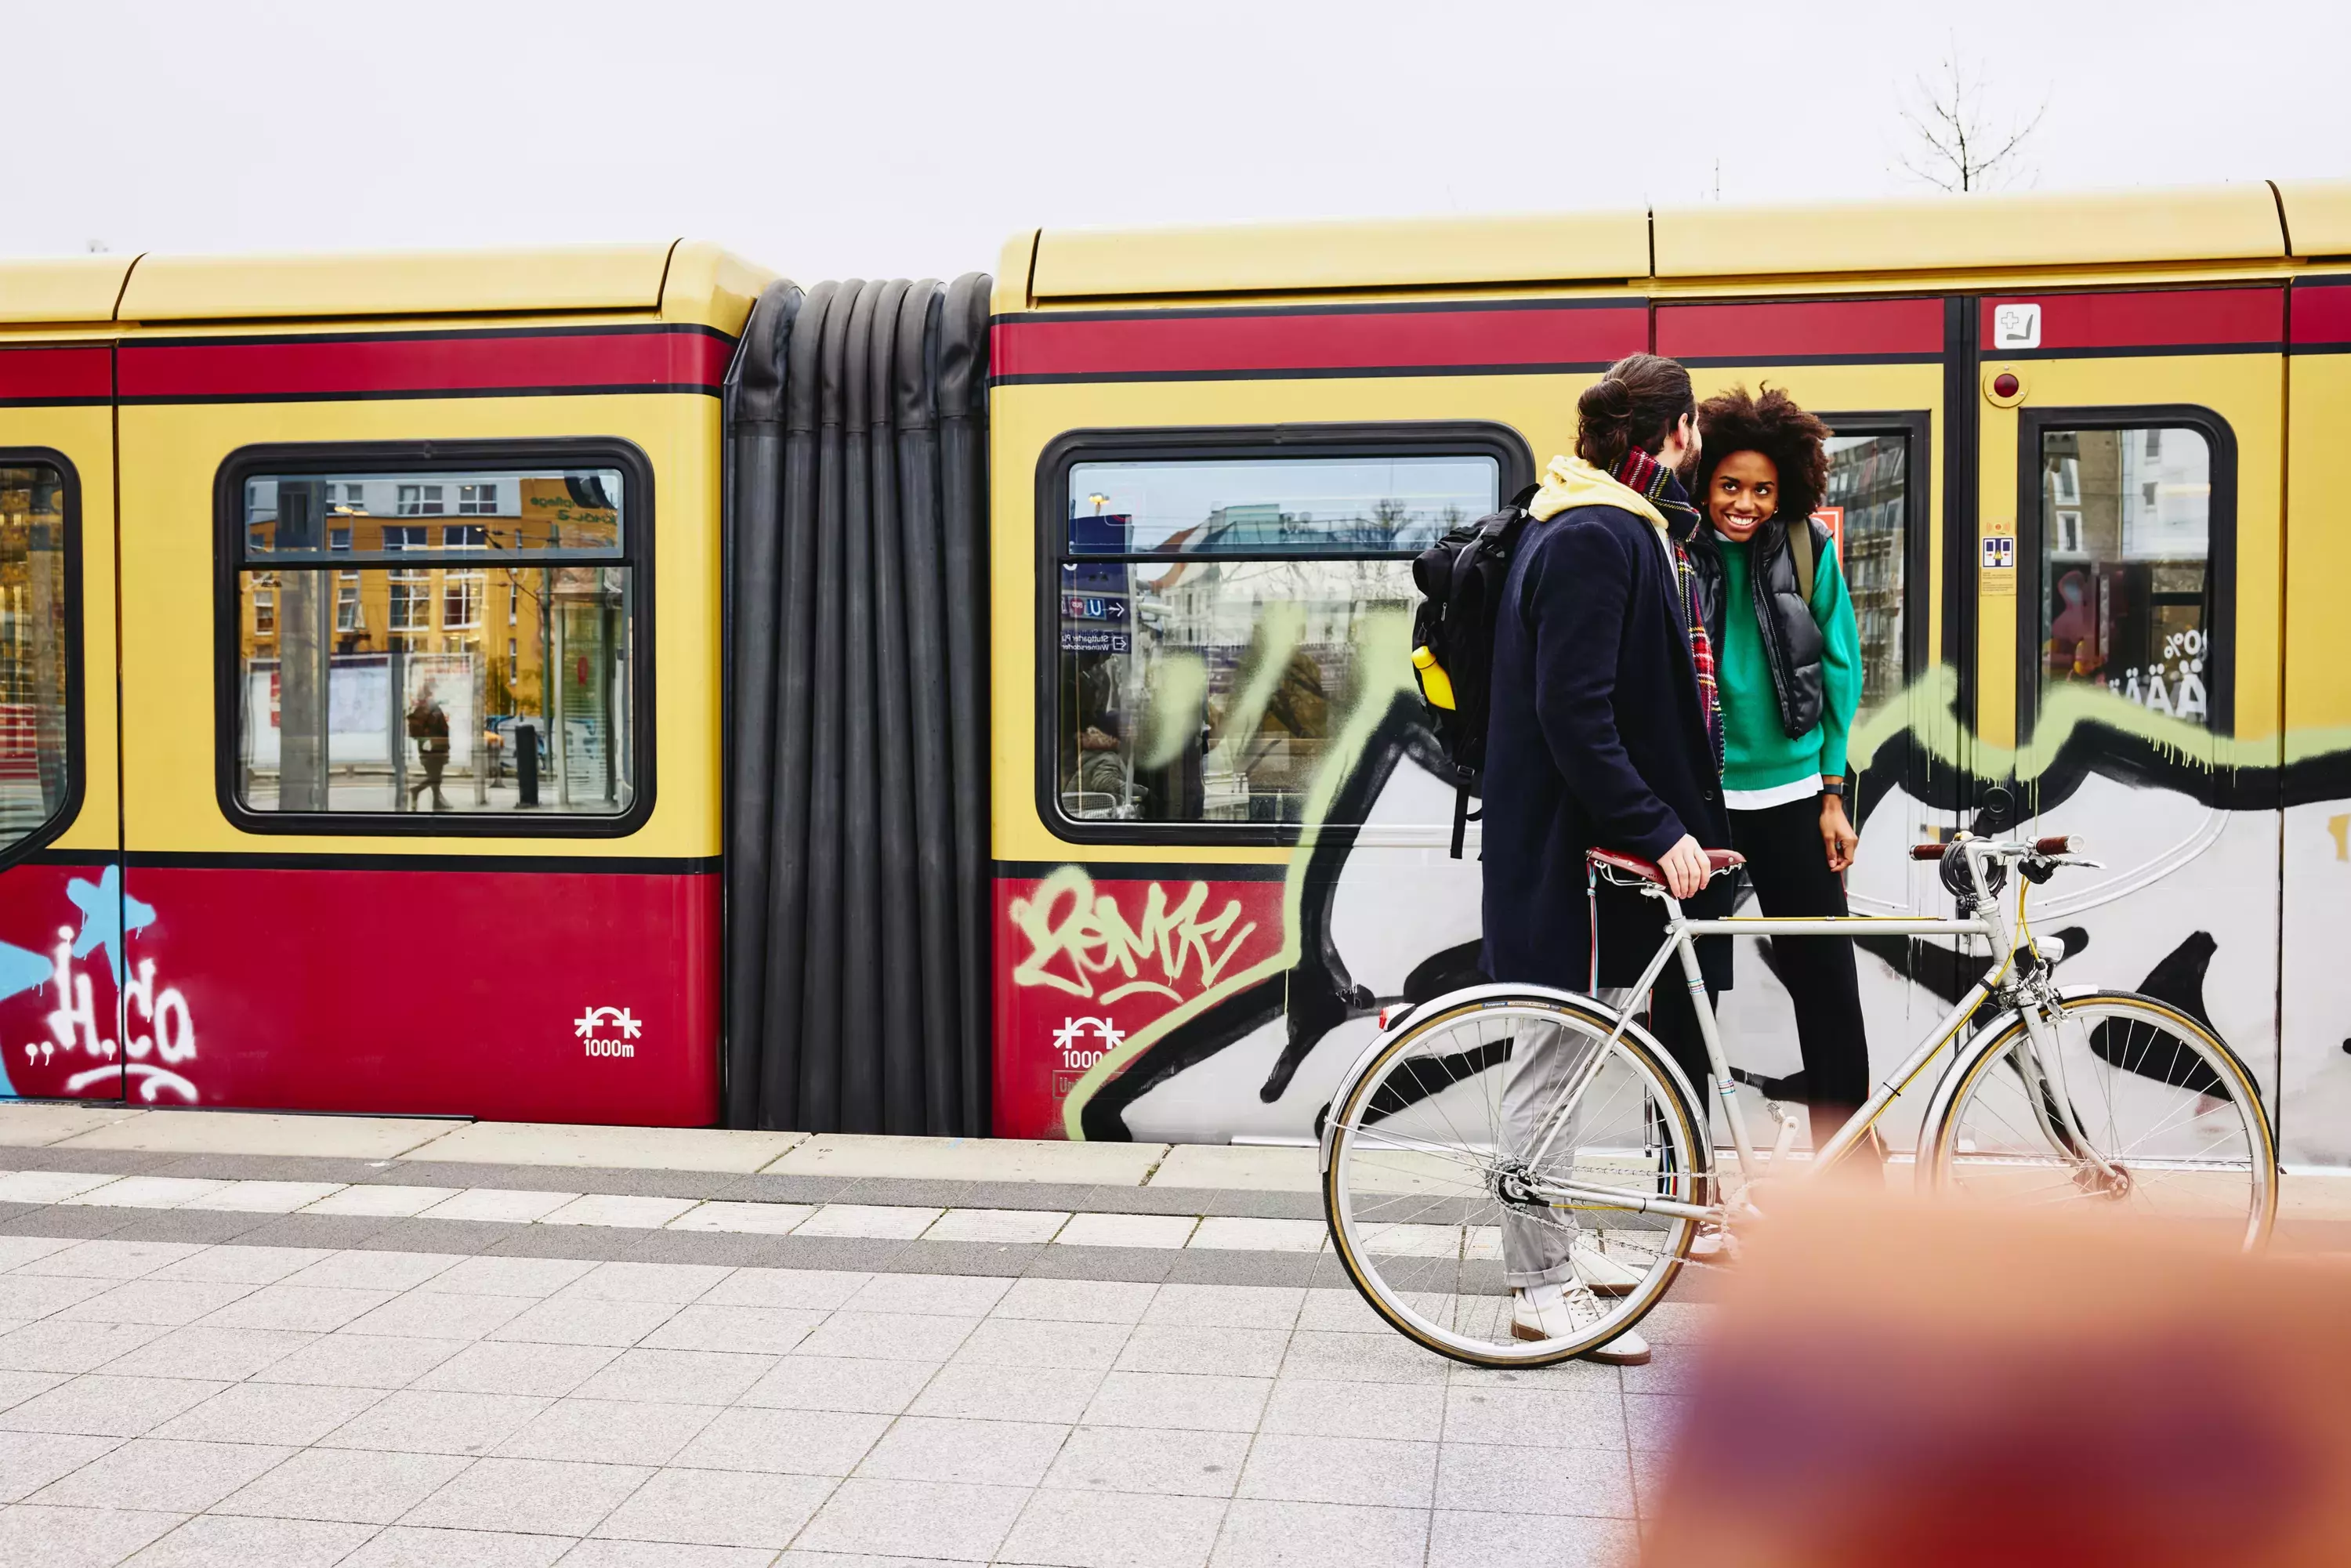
pixel 1595 738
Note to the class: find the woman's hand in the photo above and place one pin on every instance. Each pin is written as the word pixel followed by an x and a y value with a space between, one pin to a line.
pixel 1837 836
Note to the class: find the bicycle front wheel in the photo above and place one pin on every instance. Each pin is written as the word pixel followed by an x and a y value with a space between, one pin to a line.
pixel 1446 1151
pixel 2123 1101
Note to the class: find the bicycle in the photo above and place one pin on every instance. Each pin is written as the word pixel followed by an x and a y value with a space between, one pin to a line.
pixel 1596 1147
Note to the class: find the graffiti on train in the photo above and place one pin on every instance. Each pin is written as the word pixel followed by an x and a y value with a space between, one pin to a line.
pixel 1080 940
pixel 109 1028
pixel 1095 961
pixel 2187 826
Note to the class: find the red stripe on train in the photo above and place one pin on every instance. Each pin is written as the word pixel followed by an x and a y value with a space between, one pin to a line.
pixel 55 375
pixel 1798 329
pixel 1180 343
pixel 2322 315
pixel 2155 319
pixel 298 366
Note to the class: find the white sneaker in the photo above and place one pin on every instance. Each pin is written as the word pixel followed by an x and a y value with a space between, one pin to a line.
pixel 1603 1275
pixel 1554 1312
pixel 1715 1247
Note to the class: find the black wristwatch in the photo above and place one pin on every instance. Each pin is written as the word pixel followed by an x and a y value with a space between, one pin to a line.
pixel 1836 786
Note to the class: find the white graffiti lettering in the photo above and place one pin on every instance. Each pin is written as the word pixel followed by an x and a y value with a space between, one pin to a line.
pixel 1077 938
pixel 74 1027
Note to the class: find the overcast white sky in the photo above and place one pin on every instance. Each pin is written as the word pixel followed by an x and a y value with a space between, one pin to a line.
pixel 838 139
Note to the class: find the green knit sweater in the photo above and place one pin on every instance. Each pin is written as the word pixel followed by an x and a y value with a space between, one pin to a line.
pixel 1757 753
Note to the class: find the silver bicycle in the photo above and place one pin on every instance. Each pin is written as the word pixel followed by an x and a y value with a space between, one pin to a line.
pixel 1505 1123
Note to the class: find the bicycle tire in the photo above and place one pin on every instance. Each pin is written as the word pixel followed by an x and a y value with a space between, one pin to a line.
pixel 1972 1080
pixel 1689 1158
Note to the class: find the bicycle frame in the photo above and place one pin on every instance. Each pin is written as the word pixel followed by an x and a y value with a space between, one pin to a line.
pixel 1990 923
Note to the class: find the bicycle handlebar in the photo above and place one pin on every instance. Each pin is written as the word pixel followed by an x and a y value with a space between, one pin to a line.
pixel 2054 844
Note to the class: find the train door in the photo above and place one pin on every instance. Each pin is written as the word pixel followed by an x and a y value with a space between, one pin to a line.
pixel 1875 371
pixel 69 961
pixel 2128 629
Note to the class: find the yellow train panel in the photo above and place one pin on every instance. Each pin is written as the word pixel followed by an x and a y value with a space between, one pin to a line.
pixel 415 283
pixel 1274 258
pixel 66 288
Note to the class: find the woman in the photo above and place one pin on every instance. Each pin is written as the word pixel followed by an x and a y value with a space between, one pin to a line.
pixel 1788 674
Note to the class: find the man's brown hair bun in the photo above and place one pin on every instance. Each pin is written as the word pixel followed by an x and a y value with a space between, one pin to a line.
pixel 1637 404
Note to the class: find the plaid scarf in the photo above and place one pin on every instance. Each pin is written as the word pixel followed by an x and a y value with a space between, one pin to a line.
pixel 1642 473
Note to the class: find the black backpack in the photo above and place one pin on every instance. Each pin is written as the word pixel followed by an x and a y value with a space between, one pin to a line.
pixel 1460 581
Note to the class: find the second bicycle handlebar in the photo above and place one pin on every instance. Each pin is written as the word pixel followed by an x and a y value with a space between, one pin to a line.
pixel 2054 844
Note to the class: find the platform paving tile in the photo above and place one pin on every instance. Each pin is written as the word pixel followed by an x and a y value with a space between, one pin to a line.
pixel 56 1537
pixel 31 1460
pixel 719 1508
pixel 302 1412
pixel 1030 1402
pixel 231 1541
pixel 1258 1531
pixel 175 1475
pixel 1132 1529
pixel 100 1405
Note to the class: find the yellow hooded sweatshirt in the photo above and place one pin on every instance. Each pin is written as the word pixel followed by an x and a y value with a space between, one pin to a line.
pixel 1569 481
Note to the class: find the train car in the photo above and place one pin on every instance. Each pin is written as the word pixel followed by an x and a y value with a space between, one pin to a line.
pixel 1031 673
pixel 361 650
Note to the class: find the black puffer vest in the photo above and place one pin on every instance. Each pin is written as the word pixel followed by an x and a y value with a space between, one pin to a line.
pixel 1792 643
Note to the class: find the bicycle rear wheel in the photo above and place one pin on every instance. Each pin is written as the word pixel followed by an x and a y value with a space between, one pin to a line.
pixel 2127 1104
pixel 1439 1149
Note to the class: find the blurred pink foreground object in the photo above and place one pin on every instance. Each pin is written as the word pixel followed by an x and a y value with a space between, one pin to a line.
pixel 1893 1384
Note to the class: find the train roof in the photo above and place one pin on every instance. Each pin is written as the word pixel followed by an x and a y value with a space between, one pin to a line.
pixel 2233 224
pixel 679 280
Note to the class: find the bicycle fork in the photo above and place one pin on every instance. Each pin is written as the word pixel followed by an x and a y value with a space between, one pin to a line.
pixel 2060 1121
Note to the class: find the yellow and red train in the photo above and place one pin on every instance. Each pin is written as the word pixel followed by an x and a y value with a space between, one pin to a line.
pixel 620 686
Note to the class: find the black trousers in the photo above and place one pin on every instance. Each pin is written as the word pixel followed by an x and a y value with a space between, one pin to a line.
pixel 1789 870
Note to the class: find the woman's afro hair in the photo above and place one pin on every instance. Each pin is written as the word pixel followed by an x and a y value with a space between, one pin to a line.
pixel 1776 425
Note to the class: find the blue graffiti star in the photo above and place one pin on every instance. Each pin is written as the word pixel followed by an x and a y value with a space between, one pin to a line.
pixel 108 915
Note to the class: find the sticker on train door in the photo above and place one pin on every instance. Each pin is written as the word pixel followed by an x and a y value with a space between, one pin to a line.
pixel 2016 325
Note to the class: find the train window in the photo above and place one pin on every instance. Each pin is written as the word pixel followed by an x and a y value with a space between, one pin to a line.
pixel 2126 580
pixel 37 641
pixel 366 682
pixel 1216 615
pixel 1866 505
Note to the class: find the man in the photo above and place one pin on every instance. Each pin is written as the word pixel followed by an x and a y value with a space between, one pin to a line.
pixel 1603 732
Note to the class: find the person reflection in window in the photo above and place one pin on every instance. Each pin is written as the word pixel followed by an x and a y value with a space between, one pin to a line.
pixel 2073 648
pixel 428 726
pixel 1281 758
pixel 1099 785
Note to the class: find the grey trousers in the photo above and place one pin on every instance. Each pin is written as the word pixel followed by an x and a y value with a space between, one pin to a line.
pixel 1538 1249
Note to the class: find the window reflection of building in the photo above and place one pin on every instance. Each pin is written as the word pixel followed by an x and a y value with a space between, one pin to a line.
pixel 431 611
pixel 1204 679
pixel 1869 480
pixel 2126 546
pixel 33 692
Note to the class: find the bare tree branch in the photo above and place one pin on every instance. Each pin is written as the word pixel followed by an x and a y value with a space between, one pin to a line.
pixel 1955 143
